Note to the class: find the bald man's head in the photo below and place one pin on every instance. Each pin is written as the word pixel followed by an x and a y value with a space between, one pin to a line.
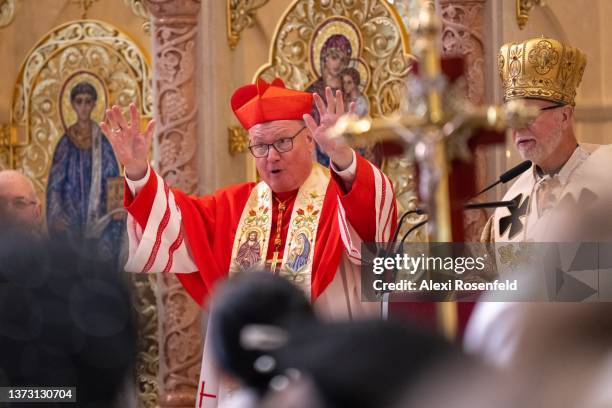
pixel 19 206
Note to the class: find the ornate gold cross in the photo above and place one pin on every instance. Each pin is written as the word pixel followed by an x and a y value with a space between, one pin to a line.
pixel 435 129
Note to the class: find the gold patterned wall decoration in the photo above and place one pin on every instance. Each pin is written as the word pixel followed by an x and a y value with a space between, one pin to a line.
pixel 368 36
pixel 523 8
pixel 139 8
pixel 365 43
pixel 84 5
pixel 7 12
pixel 240 16
pixel 120 72
pixel 238 140
pixel 6 134
pixel 144 287
pixel 89 49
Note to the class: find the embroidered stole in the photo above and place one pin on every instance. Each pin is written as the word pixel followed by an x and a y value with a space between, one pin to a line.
pixel 254 229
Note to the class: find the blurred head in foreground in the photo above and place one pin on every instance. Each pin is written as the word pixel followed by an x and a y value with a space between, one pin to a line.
pixel 265 335
pixel 64 321
pixel 255 298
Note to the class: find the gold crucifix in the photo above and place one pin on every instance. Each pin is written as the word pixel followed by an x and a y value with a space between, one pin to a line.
pixel 282 206
pixel 274 262
pixel 435 135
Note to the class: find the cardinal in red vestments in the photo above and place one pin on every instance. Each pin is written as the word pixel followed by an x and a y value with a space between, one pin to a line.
pixel 301 221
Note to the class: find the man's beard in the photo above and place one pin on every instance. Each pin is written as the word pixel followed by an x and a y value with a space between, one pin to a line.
pixel 541 151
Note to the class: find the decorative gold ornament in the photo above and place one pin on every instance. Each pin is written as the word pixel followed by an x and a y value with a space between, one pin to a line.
pixel 379 47
pixel 240 16
pixel 85 5
pixel 238 140
pixel 379 52
pixel 7 134
pixel 523 8
pixel 96 52
pixel 92 49
pixel 435 127
pixel 542 68
pixel 7 12
pixel 139 8
pixel 147 359
pixel 401 170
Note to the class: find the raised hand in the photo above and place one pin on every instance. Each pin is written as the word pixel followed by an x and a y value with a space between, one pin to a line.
pixel 337 150
pixel 131 146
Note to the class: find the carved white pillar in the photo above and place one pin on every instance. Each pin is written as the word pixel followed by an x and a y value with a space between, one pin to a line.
pixel 174 32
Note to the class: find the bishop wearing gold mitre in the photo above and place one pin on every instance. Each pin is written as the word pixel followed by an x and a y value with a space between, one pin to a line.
pixel 566 194
pixel 567 179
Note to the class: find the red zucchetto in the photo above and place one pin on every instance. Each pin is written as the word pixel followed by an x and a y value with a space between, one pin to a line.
pixel 263 102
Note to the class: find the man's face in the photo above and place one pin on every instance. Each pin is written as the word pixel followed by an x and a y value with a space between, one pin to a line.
pixel 283 171
pixel 83 104
pixel 539 140
pixel 18 204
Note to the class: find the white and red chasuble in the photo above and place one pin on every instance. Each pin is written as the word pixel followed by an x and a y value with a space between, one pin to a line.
pixel 200 239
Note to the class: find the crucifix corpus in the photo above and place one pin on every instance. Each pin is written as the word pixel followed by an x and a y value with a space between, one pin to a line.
pixel 440 130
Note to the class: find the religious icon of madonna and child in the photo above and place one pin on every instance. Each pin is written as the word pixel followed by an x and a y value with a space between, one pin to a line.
pixel 84 185
pixel 335 60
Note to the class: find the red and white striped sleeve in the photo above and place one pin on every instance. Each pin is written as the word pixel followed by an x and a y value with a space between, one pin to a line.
pixel 368 211
pixel 156 238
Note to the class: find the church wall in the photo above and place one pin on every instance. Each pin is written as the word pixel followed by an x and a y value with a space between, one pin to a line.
pixel 34 18
pixel 221 71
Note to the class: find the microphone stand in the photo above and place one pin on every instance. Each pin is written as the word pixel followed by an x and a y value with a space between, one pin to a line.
pixel 387 250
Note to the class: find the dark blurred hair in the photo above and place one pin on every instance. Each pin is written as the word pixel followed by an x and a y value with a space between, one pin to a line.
pixel 367 364
pixel 252 298
pixel 83 88
pixel 363 364
pixel 64 321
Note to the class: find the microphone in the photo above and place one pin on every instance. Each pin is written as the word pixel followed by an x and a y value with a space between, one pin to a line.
pixel 504 178
pixel 490 204
pixel 515 202
pixel 390 247
pixel 474 206
pixel 509 175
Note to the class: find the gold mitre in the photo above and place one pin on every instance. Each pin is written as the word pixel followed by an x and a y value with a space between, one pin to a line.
pixel 542 68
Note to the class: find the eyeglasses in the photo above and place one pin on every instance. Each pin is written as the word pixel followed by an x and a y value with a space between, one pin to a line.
pixel 281 145
pixel 551 107
pixel 546 108
pixel 19 203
